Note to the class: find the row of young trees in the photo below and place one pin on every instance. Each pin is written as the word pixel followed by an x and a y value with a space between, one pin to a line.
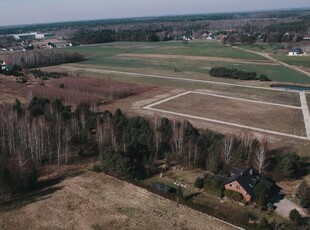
pixel 47 132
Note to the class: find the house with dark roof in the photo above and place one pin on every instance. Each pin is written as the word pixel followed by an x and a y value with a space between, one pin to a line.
pixel 244 182
pixel 295 52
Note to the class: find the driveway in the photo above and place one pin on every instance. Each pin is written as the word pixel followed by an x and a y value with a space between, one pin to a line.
pixel 284 207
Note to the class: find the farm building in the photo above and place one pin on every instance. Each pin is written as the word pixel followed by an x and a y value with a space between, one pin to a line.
pixel 244 182
pixel 295 52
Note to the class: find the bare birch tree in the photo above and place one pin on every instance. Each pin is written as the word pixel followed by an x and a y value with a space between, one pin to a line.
pixel 227 152
pixel 261 156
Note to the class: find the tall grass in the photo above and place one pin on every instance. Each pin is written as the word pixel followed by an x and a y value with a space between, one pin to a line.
pixel 74 91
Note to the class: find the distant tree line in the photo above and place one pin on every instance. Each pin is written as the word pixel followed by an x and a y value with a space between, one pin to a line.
pixel 104 36
pixel 236 74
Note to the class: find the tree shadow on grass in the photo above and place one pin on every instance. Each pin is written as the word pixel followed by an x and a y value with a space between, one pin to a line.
pixel 43 190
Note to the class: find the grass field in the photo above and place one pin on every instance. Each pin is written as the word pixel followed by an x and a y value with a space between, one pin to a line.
pixel 266 47
pixel 270 117
pixel 195 48
pixel 122 55
pixel 96 201
pixel 281 97
pixel 301 61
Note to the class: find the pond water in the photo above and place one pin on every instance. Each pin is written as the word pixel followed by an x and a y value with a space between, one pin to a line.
pixel 292 87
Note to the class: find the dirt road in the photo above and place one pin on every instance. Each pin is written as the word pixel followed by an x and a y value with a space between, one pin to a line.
pixel 276 61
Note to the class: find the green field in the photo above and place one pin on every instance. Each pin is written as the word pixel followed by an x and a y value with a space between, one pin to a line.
pixel 194 48
pixel 265 47
pixel 107 55
pixel 301 61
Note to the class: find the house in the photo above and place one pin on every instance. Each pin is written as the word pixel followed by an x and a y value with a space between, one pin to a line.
pixel 244 182
pixel 295 52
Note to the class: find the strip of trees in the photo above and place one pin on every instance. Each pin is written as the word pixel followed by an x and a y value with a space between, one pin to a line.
pixel 236 74
pixel 48 132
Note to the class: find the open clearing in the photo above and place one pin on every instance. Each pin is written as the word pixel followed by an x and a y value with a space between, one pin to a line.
pixel 97 201
pixel 254 115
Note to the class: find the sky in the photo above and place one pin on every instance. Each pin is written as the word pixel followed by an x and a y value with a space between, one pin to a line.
pixel 15 12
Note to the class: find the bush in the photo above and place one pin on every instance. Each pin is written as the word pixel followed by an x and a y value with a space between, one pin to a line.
pixel 199 182
pixel 295 217
pixel 233 195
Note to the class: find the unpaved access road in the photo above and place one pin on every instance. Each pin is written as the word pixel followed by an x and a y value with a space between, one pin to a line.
pixel 96 201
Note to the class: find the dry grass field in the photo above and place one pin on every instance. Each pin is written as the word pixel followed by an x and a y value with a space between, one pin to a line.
pixel 264 116
pixel 96 201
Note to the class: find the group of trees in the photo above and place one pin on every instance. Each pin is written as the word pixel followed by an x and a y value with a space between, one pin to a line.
pixel 236 74
pixel 47 132
pixel 37 73
pixel 40 58
pixel 15 70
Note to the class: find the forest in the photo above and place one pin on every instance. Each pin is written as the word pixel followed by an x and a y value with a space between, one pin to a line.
pixel 48 132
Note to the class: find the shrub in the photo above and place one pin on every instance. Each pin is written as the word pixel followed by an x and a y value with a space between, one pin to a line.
pixel 233 195
pixel 295 217
pixel 199 182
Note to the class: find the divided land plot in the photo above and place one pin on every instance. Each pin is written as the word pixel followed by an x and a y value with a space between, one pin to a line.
pixel 189 83
pixel 256 114
pixel 96 201
pixel 174 56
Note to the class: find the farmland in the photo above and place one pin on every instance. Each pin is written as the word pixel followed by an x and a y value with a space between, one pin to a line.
pixel 197 57
pixel 95 201
pixel 264 116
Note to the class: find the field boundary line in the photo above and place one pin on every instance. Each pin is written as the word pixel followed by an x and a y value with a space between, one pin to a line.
pixel 150 107
pixel 175 78
pixel 305 112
